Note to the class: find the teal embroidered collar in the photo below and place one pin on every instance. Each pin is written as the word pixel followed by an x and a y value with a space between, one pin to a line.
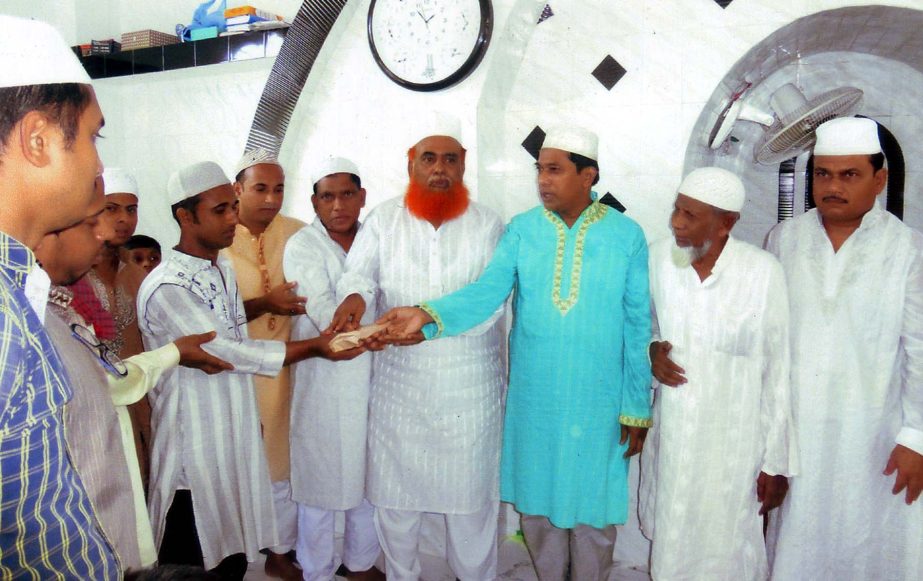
pixel 592 214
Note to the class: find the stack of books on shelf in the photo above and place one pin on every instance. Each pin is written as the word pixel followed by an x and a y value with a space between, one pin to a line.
pixel 248 18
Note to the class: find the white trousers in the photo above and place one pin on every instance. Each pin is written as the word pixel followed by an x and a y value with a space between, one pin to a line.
pixel 316 547
pixel 471 543
pixel 286 516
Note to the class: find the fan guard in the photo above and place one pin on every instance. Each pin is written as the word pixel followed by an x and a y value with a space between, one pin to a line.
pixel 793 132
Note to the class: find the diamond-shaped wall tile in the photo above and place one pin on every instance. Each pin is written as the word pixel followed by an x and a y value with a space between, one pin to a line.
pixel 533 143
pixel 546 14
pixel 723 3
pixel 612 201
pixel 609 72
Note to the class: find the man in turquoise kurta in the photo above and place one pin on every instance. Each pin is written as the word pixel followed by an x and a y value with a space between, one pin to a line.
pixel 579 398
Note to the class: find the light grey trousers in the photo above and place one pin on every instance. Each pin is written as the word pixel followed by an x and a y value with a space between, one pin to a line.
pixel 585 550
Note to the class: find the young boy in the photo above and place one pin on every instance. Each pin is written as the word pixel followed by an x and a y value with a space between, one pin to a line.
pixel 142 251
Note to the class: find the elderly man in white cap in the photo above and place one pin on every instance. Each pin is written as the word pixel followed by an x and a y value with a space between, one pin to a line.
pixel 579 399
pixel 723 441
pixel 331 400
pixel 49 121
pixel 211 497
pixel 435 408
pixel 855 279
pixel 270 303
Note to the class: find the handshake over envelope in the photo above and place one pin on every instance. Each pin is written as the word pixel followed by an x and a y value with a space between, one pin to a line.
pixel 353 339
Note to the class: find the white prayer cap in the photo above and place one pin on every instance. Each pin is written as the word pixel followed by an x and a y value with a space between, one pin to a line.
pixel 716 187
pixel 33 53
pixel 254 157
pixel 194 179
pixel 119 181
pixel 332 165
pixel 847 136
pixel 439 123
pixel 574 140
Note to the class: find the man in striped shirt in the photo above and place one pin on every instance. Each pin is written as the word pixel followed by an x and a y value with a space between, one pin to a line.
pixel 49 121
pixel 211 497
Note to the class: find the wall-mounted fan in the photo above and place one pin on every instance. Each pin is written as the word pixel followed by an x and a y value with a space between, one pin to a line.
pixel 791 130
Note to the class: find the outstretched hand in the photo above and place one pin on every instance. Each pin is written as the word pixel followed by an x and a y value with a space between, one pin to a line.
pixel 192 355
pixel 348 315
pixel 326 352
pixel 404 324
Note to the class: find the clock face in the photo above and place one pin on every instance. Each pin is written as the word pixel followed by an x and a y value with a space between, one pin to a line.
pixel 427 45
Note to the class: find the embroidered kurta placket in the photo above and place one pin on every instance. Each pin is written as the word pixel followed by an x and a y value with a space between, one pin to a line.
pixel 264 276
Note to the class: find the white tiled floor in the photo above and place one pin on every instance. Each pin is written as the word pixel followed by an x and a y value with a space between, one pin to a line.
pixel 514 565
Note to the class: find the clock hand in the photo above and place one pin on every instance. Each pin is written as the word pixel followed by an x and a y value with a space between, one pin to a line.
pixel 424 18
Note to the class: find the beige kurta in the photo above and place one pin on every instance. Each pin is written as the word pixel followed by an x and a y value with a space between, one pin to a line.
pixel 273 394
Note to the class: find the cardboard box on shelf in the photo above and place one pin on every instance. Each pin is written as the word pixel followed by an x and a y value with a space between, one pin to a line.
pixel 146 38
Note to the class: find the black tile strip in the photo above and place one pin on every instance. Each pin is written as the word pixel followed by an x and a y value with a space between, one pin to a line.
pixel 533 142
pixel 613 202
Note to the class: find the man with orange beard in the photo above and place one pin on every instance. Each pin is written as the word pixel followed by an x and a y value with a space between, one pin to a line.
pixel 435 407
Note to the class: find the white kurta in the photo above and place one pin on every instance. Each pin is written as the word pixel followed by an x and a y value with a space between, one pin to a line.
pixel 206 427
pixel 713 435
pixel 857 362
pixel 330 400
pixel 435 408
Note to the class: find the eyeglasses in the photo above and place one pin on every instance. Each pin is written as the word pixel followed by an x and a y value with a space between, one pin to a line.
pixel 112 362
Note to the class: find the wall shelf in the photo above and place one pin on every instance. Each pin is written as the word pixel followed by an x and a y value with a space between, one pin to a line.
pixel 211 51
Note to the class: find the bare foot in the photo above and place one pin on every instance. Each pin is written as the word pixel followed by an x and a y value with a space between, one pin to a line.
pixel 282 567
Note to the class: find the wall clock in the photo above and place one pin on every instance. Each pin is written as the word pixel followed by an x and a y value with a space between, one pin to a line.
pixel 427 45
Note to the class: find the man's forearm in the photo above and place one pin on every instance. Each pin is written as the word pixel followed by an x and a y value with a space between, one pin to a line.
pixel 296 351
pixel 255 307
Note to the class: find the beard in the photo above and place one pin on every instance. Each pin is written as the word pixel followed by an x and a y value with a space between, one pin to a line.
pixel 436 206
pixel 685 256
